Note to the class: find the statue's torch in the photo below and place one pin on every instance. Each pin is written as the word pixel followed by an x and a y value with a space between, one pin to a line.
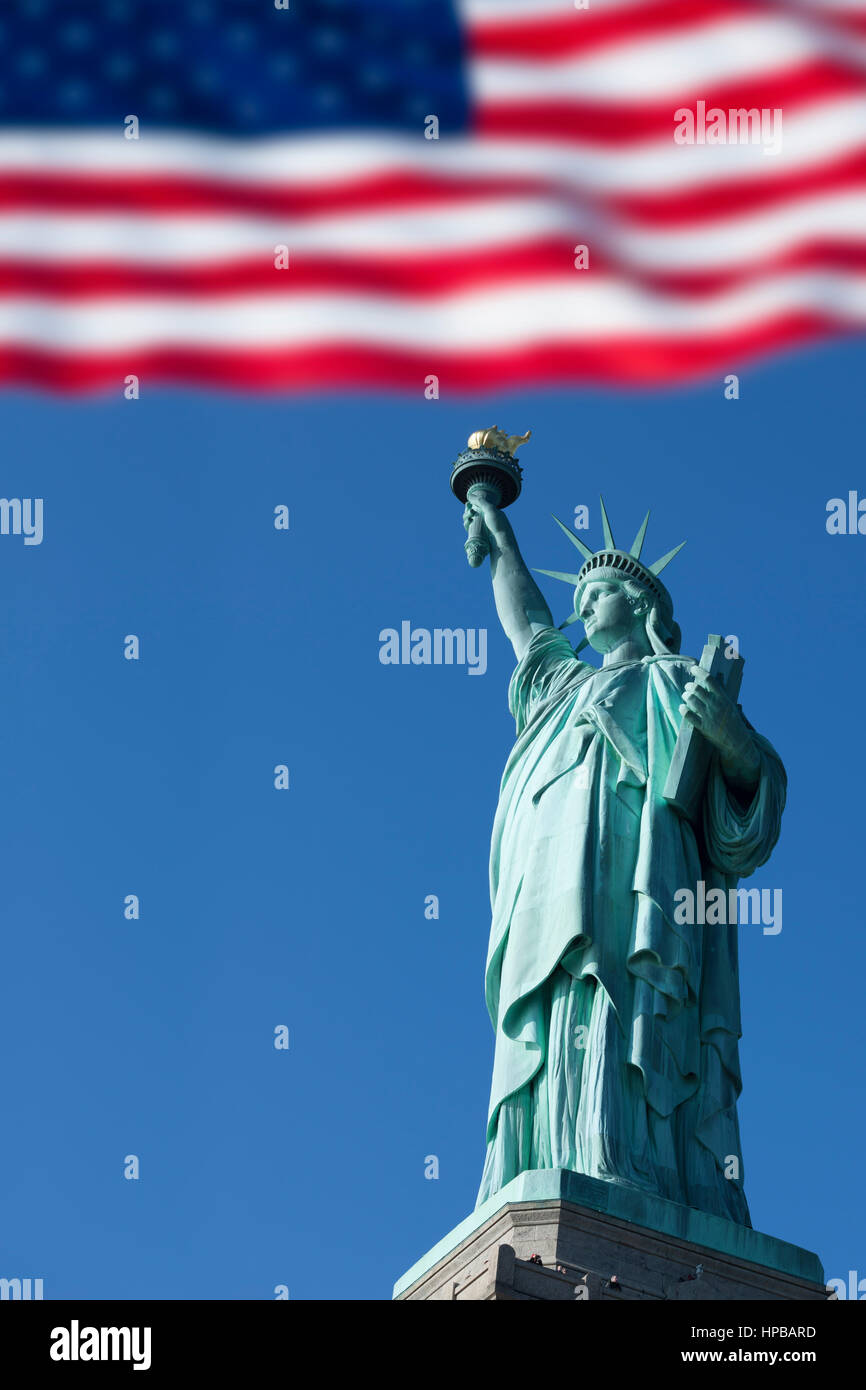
pixel 487 471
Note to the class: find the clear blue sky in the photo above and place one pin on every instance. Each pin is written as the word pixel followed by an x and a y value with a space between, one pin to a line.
pixel 306 907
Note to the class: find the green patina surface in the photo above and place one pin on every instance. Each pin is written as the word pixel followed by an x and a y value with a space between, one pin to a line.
pixel 636 795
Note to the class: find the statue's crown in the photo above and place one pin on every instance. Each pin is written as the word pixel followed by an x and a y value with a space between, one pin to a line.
pixel 612 564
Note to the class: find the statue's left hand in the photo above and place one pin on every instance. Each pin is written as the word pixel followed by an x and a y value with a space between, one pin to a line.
pixel 707 705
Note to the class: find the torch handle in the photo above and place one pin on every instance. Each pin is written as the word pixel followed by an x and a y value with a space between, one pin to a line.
pixel 476 546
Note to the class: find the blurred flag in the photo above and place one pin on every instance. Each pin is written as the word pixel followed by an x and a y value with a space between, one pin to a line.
pixel 336 195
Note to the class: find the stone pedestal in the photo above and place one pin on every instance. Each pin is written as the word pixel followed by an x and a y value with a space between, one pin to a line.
pixel 552 1234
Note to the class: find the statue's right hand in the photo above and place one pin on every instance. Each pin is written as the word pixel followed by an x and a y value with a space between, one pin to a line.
pixel 480 505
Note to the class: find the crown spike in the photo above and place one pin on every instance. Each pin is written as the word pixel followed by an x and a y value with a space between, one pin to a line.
pixel 584 549
pixel 666 559
pixel 557 574
pixel 609 541
pixel 637 543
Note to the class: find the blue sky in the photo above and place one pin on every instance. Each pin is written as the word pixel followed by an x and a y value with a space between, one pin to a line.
pixel 306 907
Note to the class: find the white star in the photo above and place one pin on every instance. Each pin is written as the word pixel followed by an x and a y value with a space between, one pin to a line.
pixel 74 93
pixel 328 40
pixel 373 77
pixel 326 96
pixel 241 35
pixel 76 35
pixel 283 65
pixel 164 44
pixel 117 10
pixel 118 66
pixel 31 63
pixel 163 98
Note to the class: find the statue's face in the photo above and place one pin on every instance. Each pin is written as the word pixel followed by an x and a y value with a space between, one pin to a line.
pixel 607 615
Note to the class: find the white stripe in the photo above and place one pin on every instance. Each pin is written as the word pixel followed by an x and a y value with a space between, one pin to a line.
pixel 826 8
pixel 737 242
pixel 821 132
pixel 675 65
pixel 505 318
pixel 495 224
pixel 518 11
pixel 504 12
pixel 137 240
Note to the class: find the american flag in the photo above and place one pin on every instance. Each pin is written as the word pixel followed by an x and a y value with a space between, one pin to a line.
pixel 319 195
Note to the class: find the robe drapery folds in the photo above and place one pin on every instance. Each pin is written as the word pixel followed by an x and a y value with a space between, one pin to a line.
pixel 616 1027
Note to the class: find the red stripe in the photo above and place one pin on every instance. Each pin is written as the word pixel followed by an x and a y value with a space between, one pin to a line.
pixel 166 194
pixel 613 123
pixel 553 36
pixel 853 21
pixel 348 367
pixel 719 200
pixel 159 195
pixel 423 276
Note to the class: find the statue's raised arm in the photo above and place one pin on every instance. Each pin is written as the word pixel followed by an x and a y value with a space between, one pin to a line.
pixel 520 603
pixel 487 477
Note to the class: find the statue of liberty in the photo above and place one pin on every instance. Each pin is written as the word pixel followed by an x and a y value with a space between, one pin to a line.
pixel 616 1022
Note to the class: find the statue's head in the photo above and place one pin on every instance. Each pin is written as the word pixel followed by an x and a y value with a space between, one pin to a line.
pixel 614 610
pixel 617 597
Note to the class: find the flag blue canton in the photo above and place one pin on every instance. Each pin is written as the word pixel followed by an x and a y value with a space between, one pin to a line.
pixel 232 67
